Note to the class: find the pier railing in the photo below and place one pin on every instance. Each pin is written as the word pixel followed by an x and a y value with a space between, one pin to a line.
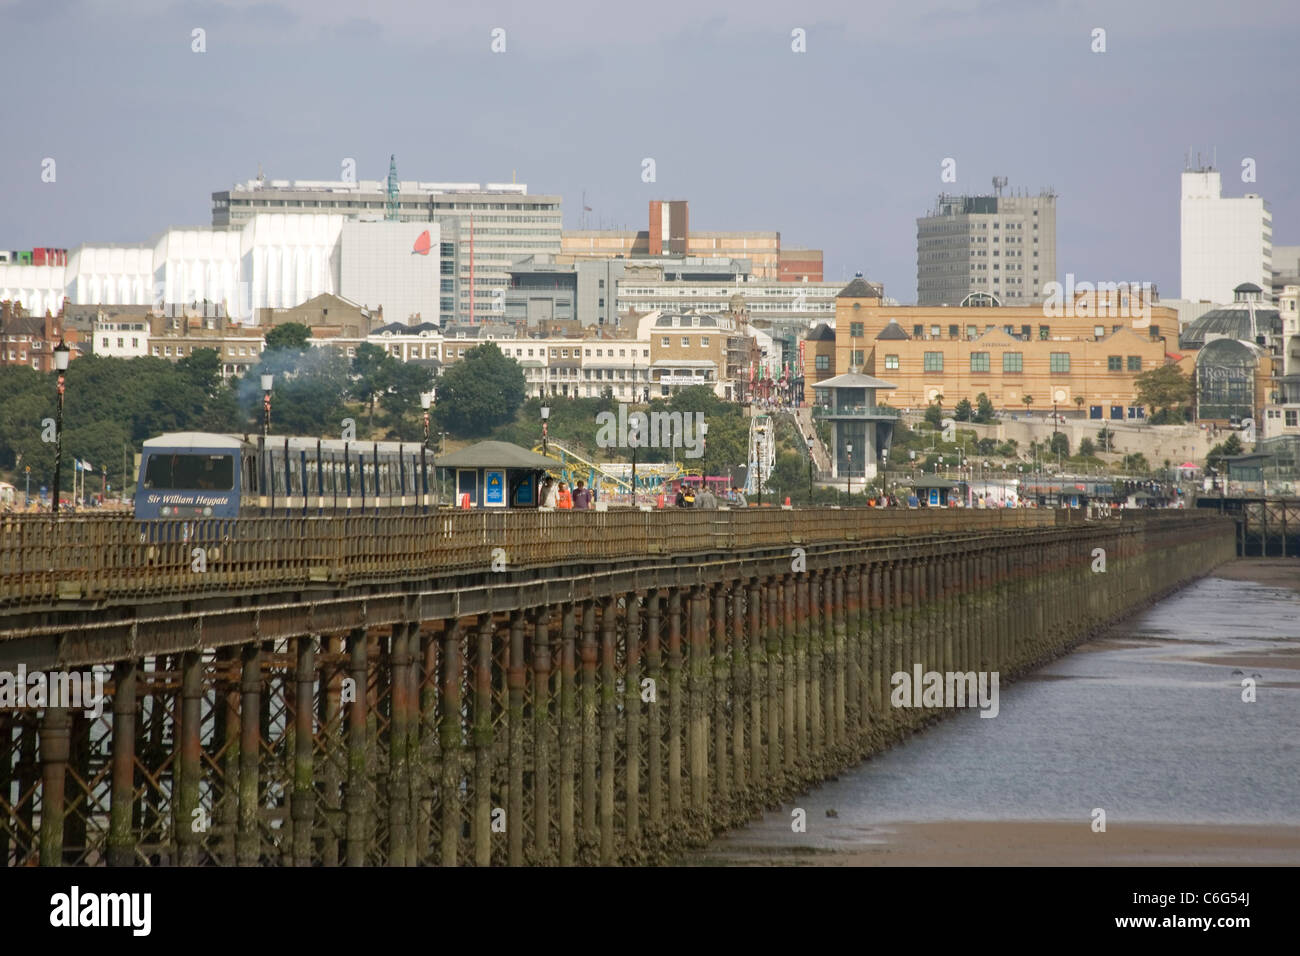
pixel 77 558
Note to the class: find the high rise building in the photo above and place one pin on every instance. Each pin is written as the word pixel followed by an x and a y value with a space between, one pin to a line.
pixel 1225 241
pixel 505 222
pixel 1004 246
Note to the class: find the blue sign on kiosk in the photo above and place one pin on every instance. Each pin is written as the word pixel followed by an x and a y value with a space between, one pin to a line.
pixel 494 488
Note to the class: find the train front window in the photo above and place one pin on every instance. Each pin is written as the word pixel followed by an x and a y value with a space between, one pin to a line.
pixel 165 472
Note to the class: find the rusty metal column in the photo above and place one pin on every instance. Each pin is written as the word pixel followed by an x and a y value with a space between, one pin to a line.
pixel 55 747
pixel 248 847
pixel 848 645
pixel 430 747
pixel 775 690
pixel 697 717
pixel 833 660
pixel 757 692
pixel 302 807
pixel 608 719
pixel 674 684
pixel 808 657
pixel 588 836
pixel 878 656
pixel 189 825
pixel 121 835
pixel 452 741
pixel 568 732
pixel 894 612
pixel 654 745
pixel 357 799
pixel 949 633
pixel 329 711
pixel 516 681
pixel 543 852
pixel 785 600
pixel 740 689
pixel 399 824
pixel 721 692
pixel 632 716
pixel 481 831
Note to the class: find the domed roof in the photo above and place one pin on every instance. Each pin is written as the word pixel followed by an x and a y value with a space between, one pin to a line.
pixel 1231 322
pixel 1248 287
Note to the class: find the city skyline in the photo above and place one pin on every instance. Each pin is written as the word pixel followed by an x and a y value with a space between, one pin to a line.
pixel 825 146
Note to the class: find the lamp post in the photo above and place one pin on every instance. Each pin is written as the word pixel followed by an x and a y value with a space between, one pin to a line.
pixel 546 414
pixel 848 447
pixel 704 452
pixel 426 399
pixel 267 381
pixel 61 355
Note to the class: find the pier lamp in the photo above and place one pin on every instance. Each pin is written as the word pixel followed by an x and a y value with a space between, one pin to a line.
pixel 267 381
pixel 426 399
pixel 848 447
pixel 61 355
pixel 546 414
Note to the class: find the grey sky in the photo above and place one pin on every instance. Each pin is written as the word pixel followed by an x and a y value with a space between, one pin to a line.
pixel 839 147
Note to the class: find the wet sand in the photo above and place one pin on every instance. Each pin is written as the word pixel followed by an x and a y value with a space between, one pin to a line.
pixel 1047 842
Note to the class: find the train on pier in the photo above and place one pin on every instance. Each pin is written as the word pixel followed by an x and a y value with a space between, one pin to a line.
pixel 189 475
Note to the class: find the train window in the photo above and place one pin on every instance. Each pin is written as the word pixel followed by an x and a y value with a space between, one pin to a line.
pixel 167 472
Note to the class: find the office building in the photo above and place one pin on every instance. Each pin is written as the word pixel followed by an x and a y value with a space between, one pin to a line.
pixel 1004 246
pixel 1224 241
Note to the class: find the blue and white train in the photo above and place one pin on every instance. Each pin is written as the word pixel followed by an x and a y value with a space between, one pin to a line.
pixel 188 475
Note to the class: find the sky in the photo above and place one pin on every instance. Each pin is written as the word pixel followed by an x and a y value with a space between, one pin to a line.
pixel 839 147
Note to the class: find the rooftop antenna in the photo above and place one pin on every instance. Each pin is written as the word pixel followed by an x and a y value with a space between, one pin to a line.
pixel 998 183
pixel 390 206
pixel 261 177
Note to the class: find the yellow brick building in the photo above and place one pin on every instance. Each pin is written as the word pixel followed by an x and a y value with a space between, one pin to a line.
pixel 1091 348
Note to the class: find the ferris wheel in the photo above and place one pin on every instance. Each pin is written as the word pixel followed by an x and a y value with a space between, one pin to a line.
pixel 762 452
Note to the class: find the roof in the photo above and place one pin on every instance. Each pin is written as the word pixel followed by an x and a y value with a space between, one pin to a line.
pixel 892 331
pixel 1231 322
pixel 854 380
pixel 933 483
pixel 494 454
pixel 194 440
pixel 859 288
pixel 1248 287
pixel 821 333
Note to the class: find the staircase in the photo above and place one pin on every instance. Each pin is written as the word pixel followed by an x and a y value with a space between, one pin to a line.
pixel 803 421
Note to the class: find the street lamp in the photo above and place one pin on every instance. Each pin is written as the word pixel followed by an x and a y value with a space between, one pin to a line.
pixel 546 414
pixel 704 451
pixel 267 381
pixel 426 399
pixel 61 355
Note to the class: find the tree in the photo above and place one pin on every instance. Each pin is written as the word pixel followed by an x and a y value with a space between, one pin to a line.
pixel 481 391
pixel 962 412
pixel 291 336
pixel 1136 463
pixel 405 385
pixel 1224 449
pixel 983 408
pixel 373 369
pixel 1028 400
pixel 934 416
pixel 1060 444
pixel 1164 389
pixel 1078 402
pixel 1106 439
pixel 1086 448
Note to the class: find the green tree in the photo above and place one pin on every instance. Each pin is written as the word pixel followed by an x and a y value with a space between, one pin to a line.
pixel 934 416
pixel 1136 463
pixel 1060 444
pixel 983 408
pixel 291 336
pixel 402 399
pixel 1105 439
pixel 1086 448
pixel 373 370
pixel 963 412
pixel 1164 390
pixel 481 391
pixel 1028 400
pixel 1231 446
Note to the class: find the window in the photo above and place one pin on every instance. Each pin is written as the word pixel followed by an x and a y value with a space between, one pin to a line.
pixel 971 332
pixel 1114 363
pixel 1117 413
pixel 933 361
pixel 1044 332
pixel 918 331
pixel 105 343
pixel 564 353
pixel 686 341
pixel 175 472
pixel 1135 363
pixel 1098 331
pixel 823 363
pixel 1013 361
pixel 1292 418
pixel 1060 362
pixel 891 361
pixel 120 343
pixel 1026 331
pixel 858 358
pixel 934 331
pixel 704 341
pixel 979 361
pixel 953 332
pixel 554 353
pixel 855 330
